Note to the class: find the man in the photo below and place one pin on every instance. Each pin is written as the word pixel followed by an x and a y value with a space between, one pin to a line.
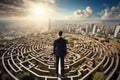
pixel 60 52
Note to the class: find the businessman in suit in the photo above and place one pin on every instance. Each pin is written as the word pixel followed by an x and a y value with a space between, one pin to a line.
pixel 60 52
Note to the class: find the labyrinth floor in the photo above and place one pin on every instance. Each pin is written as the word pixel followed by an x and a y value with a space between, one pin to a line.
pixel 85 56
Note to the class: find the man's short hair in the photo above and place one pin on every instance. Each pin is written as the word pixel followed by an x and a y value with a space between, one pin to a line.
pixel 60 33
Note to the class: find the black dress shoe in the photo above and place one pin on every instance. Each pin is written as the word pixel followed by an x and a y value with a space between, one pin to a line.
pixel 62 75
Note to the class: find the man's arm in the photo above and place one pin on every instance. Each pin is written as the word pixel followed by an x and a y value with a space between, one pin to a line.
pixel 65 47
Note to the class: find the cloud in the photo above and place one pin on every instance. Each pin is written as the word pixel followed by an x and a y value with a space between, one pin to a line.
pixel 52 1
pixel 110 13
pixel 13 8
pixel 86 13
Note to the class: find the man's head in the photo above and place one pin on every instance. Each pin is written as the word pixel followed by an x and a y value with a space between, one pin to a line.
pixel 60 33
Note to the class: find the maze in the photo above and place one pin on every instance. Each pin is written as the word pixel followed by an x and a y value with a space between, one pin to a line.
pixel 85 57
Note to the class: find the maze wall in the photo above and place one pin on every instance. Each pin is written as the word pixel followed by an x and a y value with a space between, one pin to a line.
pixel 85 57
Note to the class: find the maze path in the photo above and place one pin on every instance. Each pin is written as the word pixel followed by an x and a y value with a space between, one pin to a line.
pixel 85 56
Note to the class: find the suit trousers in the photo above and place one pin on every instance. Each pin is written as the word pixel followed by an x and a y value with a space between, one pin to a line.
pixel 62 64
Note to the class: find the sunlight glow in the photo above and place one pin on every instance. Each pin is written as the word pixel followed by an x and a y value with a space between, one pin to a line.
pixel 38 11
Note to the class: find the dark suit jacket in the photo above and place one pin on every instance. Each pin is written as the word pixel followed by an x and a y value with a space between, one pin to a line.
pixel 60 47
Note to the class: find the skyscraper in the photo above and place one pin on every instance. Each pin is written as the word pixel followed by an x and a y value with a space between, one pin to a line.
pixel 94 29
pixel 49 28
pixel 117 30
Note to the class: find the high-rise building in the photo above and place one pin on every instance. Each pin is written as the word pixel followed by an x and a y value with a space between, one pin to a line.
pixel 87 29
pixel 117 30
pixel 94 29
pixel 90 28
pixel 49 28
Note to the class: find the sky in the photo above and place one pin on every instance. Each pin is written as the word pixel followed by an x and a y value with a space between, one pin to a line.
pixel 60 9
